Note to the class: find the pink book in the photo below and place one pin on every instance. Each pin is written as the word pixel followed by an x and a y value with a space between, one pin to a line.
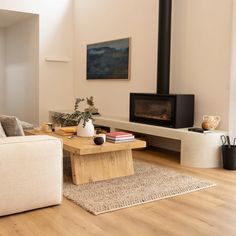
pixel 119 134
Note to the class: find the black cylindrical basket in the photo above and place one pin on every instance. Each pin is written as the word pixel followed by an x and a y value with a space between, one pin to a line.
pixel 229 157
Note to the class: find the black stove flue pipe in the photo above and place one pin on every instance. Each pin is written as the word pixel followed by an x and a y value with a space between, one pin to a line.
pixel 164 45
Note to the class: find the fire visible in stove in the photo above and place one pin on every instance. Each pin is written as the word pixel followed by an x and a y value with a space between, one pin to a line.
pixel 160 110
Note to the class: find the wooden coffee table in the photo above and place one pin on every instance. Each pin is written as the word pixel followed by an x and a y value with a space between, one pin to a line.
pixel 90 162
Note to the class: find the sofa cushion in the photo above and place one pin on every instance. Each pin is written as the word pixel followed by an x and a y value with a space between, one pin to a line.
pixel 2 132
pixel 30 173
pixel 26 125
pixel 11 125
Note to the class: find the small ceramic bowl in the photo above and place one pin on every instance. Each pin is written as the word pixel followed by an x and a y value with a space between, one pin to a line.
pixel 98 140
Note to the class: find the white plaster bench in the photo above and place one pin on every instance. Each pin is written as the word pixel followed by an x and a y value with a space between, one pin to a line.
pixel 197 149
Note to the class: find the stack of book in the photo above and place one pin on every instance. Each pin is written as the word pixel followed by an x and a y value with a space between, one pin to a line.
pixel 66 131
pixel 119 137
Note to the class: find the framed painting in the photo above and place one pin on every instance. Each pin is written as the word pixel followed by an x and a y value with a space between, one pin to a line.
pixel 108 60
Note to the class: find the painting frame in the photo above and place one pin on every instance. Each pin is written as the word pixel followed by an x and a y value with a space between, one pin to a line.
pixel 109 60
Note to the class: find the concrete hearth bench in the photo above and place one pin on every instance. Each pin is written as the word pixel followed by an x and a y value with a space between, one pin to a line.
pixel 197 149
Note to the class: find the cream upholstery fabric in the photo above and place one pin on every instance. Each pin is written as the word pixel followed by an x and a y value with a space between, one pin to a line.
pixel 2 132
pixel 30 173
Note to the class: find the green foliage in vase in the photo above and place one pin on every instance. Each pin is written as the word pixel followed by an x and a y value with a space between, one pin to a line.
pixel 73 119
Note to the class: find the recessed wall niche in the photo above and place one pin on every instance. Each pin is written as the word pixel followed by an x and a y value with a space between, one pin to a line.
pixel 19 65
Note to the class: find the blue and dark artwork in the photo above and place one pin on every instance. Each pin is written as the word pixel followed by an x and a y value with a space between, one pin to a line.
pixel 108 60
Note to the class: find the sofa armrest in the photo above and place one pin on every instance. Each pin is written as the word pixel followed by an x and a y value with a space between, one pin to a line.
pixel 30 173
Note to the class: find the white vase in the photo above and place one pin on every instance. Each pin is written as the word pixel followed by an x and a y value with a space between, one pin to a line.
pixel 87 130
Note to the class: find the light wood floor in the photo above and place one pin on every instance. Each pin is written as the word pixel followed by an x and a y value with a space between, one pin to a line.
pixel 207 212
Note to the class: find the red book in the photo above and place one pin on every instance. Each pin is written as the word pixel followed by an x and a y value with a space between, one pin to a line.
pixel 118 134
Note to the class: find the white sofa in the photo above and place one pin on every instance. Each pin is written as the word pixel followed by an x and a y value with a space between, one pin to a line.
pixel 30 173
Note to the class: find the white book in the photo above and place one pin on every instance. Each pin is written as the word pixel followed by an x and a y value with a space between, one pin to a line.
pixel 120 141
pixel 121 138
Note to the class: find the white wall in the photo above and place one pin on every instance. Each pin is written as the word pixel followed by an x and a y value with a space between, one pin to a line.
pixel 55 39
pixel 2 71
pixel 232 120
pixel 104 20
pixel 22 70
pixel 201 47
pixel 200 52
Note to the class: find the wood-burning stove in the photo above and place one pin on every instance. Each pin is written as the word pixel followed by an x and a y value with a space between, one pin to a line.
pixel 162 108
pixel 172 110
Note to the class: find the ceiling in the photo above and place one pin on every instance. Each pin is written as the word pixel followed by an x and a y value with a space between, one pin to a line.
pixel 8 18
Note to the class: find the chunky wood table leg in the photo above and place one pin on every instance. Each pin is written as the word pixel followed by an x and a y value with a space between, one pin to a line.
pixel 74 162
pixel 102 166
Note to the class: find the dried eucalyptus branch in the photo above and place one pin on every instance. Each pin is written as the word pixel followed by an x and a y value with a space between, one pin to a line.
pixel 73 119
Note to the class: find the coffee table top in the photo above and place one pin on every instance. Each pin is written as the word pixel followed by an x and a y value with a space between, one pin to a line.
pixel 83 146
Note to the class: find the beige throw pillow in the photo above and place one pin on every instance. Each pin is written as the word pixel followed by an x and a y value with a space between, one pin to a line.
pixel 2 132
pixel 11 126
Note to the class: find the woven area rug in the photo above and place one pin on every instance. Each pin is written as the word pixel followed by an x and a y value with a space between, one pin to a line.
pixel 149 183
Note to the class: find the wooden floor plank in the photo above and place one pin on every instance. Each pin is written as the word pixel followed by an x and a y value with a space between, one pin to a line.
pixel 207 212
